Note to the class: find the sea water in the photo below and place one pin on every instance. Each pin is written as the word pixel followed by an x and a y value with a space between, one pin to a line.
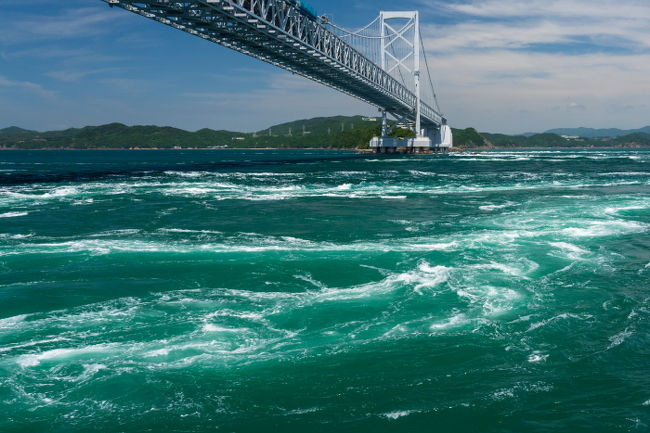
pixel 316 291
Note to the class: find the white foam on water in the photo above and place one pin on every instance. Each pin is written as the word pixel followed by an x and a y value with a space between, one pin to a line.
pixel 520 388
pixel 624 173
pixel 490 293
pixel 618 339
pixel 13 214
pixel 309 279
pixel 398 414
pixel 33 360
pixel 246 315
pixel 303 411
pixel 506 269
pixel 31 344
pixel 499 300
pixel 209 327
pixel 452 322
pixel 562 316
pixel 190 174
pixel 491 207
pixel 425 277
pixel 571 251
pixel 191 191
pixel 443 246
pixel 120 232
pixel 11 322
pixel 97 247
pixel 42 194
pixel 615 210
pixel 568 247
pixel 206 232
pixel 83 202
pixel 605 228
pixel 503 394
pixel 156 353
pixel 90 370
pixel 243 243
pixel 63 191
pixel 16 236
pixel 430 277
pixel 537 357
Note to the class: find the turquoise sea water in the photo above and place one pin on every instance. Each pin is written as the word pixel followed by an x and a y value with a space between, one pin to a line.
pixel 306 291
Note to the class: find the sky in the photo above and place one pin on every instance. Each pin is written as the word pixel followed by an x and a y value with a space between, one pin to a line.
pixel 509 66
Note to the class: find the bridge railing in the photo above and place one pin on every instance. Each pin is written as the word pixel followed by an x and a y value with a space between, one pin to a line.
pixel 288 17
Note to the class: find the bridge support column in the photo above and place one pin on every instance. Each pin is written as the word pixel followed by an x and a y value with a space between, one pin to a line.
pixel 416 76
pixel 418 107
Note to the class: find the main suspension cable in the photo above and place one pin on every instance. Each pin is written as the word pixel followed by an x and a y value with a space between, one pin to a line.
pixel 426 62
pixel 357 33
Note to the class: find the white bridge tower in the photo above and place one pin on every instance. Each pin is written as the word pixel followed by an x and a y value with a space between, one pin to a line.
pixel 401 49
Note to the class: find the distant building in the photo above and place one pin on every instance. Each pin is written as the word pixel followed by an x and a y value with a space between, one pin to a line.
pixel 369 119
pixel 239 138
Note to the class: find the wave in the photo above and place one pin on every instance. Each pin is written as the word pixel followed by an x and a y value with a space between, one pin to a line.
pixel 510 229
pixel 58 355
pixel 605 228
pixel 236 187
pixel 13 214
pixel 491 207
pixel 245 326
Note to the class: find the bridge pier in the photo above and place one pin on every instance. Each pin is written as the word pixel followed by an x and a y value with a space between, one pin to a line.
pixel 439 141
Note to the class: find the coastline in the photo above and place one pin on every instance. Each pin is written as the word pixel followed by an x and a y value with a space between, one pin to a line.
pixel 357 150
pixel 185 148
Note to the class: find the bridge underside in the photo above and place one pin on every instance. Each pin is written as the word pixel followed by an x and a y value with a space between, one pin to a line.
pixel 276 32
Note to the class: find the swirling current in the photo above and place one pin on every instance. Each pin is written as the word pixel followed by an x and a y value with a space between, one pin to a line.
pixel 293 291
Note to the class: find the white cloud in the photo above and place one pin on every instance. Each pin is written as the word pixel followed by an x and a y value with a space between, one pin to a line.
pixel 78 74
pixel 583 9
pixel 593 70
pixel 70 23
pixel 25 85
pixel 518 91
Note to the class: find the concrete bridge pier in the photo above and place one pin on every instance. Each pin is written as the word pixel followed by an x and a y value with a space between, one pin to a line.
pixel 440 140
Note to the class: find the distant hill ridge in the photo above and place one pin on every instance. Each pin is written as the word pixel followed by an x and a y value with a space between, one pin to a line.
pixel 112 135
pixel 598 133
pixel 321 125
pixel 14 130
pixel 340 132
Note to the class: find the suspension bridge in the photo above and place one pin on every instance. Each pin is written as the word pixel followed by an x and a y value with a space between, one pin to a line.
pixel 383 63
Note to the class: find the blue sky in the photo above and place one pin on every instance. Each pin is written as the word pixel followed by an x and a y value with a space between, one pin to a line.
pixel 499 65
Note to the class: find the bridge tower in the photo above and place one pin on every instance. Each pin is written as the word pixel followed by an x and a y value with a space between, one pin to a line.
pixel 400 56
pixel 394 38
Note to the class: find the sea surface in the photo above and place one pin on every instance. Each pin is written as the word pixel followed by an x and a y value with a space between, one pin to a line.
pixel 315 291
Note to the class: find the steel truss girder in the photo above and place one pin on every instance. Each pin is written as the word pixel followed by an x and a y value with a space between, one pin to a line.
pixel 278 33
